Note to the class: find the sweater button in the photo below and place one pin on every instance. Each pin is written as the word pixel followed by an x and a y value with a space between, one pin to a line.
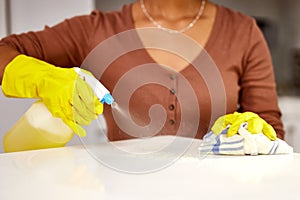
pixel 172 77
pixel 172 122
pixel 171 107
pixel 173 91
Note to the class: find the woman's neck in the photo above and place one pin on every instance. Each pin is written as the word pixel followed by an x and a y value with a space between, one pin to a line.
pixel 172 9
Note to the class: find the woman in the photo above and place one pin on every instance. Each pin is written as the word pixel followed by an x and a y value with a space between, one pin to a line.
pixel 232 40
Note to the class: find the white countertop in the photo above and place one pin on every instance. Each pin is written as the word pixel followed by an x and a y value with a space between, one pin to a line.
pixel 157 168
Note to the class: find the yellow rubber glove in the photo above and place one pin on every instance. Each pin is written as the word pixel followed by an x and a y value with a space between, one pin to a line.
pixel 63 92
pixel 255 124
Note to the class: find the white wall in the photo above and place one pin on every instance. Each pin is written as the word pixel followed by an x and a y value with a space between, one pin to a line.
pixel 33 15
pixel 267 8
pixel 112 4
pixel 2 19
pixel 292 21
pixel 290 118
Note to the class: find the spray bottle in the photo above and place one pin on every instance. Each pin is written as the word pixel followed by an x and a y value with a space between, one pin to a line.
pixel 38 128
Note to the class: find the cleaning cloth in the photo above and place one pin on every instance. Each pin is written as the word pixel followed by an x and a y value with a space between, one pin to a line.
pixel 243 143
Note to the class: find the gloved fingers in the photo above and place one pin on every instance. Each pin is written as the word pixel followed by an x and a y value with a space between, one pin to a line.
pixel 76 128
pixel 74 121
pixel 235 125
pixel 222 122
pixel 255 125
pixel 98 106
pixel 66 111
pixel 230 118
pixel 86 94
pixel 259 125
pixel 73 108
pixel 269 131
pixel 84 91
pixel 241 118
pixel 81 114
pixel 84 117
pixel 233 129
pixel 83 103
pixel 248 115
pixel 90 113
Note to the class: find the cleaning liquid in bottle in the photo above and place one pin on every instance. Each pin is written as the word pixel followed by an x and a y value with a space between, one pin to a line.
pixel 37 129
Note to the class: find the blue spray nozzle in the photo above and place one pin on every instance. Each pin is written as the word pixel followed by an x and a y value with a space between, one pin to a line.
pixel 108 99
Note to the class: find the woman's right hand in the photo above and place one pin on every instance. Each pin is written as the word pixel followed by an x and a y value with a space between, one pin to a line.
pixel 64 93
